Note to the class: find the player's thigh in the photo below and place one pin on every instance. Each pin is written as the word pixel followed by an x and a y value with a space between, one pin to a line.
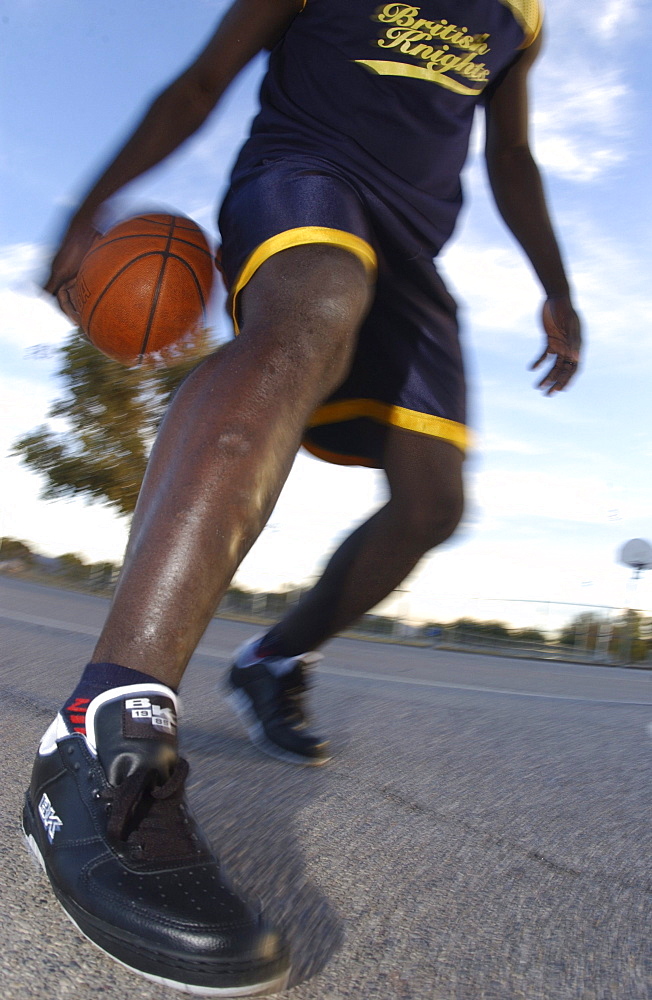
pixel 311 291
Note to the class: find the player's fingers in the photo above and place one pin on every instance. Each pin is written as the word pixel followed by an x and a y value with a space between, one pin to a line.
pixel 58 278
pixel 50 286
pixel 68 259
pixel 539 361
pixel 67 299
pixel 559 376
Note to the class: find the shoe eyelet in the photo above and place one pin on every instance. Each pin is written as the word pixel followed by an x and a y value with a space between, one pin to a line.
pixel 96 793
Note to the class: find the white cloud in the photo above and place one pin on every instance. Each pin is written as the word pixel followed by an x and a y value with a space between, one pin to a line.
pixel 569 157
pixel 28 315
pixel 584 107
pixel 581 120
pixel 613 16
pixel 496 284
pixel 20 263
pixel 610 21
pixel 574 102
pixel 30 319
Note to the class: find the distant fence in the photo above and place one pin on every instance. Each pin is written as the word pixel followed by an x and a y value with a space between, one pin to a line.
pixel 545 630
pixel 533 629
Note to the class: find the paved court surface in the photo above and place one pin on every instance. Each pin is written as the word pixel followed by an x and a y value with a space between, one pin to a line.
pixel 483 833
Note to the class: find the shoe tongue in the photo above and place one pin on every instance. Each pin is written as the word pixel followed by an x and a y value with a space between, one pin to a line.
pixel 134 728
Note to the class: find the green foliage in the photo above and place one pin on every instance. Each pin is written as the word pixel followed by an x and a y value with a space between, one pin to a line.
pixel 72 566
pixel 111 415
pixel 496 630
pixel 584 626
pixel 13 548
pixel 527 635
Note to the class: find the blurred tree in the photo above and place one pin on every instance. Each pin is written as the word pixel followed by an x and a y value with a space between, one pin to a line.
pixel 111 415
pixel 73 567
pixel 581 630
pixel 627 639
pixel 493 629
pixel 527 635
pixel 632 637
pixel 13 548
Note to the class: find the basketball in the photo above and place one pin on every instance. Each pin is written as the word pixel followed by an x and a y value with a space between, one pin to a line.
pixel 142 289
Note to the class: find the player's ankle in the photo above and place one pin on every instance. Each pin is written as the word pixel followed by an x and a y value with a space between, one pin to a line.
pixel 95 680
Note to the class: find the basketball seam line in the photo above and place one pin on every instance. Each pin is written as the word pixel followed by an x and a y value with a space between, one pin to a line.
pixel 157 291
pixel 137 236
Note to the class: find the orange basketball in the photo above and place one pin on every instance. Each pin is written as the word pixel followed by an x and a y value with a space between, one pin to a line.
pixel 143 287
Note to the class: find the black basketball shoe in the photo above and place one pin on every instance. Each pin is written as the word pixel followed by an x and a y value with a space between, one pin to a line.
pixel 106 818
pixel 271 704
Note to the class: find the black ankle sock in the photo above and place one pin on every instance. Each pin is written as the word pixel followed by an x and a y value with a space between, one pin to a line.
pixel 97 678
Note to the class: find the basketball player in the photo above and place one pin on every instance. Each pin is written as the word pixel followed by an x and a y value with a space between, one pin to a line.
pixel 347 188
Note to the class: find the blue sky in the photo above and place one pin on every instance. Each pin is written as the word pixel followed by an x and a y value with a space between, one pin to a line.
pixel 555 485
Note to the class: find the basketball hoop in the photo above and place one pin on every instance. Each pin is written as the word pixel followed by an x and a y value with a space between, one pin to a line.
pixel 637 553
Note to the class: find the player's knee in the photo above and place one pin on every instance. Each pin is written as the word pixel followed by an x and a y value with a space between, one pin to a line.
pixel 431 516
pixel 311 300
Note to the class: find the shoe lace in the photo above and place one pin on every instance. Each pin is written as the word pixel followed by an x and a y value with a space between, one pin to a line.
pixel 291 690
pixel 150 818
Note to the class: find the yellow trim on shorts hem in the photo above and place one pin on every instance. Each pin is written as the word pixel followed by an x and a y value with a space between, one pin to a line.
pixel 337 458
pixel 396 416
pixel 299 237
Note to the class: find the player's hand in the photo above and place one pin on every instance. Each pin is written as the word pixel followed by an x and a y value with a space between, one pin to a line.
pixel 562 328
pixel 62 278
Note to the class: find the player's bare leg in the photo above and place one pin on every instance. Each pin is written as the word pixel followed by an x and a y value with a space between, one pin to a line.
pixel 426 500
pixel 224 451
pixel 267 680
pixel 105 813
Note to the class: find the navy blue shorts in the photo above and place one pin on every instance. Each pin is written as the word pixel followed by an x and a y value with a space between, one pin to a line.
pixel 407 370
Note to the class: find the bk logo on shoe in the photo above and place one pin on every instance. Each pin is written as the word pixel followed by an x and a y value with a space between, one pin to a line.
pixel 49 818
pixel 144 718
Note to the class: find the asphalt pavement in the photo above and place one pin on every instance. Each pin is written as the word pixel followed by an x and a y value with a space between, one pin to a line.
pixel 482 833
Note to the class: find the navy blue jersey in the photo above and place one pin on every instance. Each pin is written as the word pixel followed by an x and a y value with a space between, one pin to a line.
pixel 388 92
